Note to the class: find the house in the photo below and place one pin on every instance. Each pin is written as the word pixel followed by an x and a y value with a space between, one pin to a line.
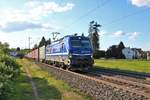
pixel 128 53
pixel 146 55
pixel 132 53
pixel 115 51
pixel 137 53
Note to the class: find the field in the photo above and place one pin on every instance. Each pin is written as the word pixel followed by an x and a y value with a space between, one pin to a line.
pixel 131 65
pixel 48 88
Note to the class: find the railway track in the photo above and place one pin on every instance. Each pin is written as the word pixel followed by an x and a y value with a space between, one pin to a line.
pixel 120 83
pixel 142 79
pixel 136 75
pixel 135 87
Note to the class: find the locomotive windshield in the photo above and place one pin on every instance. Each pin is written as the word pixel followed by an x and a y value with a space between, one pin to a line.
pixel 80 43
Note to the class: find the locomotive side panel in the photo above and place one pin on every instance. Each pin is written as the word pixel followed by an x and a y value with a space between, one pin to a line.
pixel 56 52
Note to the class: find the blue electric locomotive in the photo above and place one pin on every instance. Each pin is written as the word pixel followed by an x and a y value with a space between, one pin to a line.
pixel 71 52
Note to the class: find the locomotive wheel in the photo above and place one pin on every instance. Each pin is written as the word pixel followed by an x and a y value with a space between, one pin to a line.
pixel 54 63
pixel 68 67
pixel 62 65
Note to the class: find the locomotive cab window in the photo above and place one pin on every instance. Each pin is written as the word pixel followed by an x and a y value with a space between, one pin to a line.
pixel 80 43
pixel 86 44
pixel 76 43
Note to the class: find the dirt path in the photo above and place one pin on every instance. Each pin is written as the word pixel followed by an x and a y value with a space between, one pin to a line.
pixel 36 96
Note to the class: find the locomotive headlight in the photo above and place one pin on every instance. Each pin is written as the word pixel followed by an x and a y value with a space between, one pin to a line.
pixel 92 56
pixel 70 55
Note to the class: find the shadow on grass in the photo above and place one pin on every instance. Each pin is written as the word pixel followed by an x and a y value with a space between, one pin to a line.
pixel 23 89
pixel 116 71
pixel 46 91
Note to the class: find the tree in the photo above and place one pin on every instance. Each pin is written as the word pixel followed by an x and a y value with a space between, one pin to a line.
pixel 115 51
pixel 121 45
pixel 112 51
pixel 99 54
pixel 35 46
pixel 4 47
pixel 18 49
pixel 120 48
pixel 93 34
pixel 42 42
pixel 48 41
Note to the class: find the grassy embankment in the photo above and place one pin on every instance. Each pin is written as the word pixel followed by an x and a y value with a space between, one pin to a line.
pixel 48 87
pixel 131 65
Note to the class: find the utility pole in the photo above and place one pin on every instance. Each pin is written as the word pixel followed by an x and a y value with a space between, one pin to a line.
pixel 29 41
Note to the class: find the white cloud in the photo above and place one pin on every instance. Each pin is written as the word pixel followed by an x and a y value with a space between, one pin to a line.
pixel 128 35
pixel 133 35
pixel 21 26
pixel 31 3
pixel 49 7
pixel 52 6
pixel 35 10
pixel 10 19
pixel 119 33
pixel 140 3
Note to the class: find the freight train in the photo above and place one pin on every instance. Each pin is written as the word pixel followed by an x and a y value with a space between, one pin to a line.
pixel 70 52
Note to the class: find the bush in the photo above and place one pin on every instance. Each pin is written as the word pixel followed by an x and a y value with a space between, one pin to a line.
pixel 5 80
pixel 11 64
pixel 99 54
pixel 9 70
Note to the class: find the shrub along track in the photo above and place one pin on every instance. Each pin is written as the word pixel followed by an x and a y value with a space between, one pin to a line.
pixel 142 91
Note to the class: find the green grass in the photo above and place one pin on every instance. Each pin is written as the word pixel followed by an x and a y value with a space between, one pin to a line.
pixel 48 87
pixel 22 89
pixel 131 65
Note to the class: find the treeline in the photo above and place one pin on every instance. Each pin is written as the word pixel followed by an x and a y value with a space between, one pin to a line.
pixel 114 51
pixel 42 43
pixel 9 71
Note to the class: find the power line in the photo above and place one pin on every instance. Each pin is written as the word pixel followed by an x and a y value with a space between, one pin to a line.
pixel 89 12
pixel 60 3
pixel 109 23
pixel 126 16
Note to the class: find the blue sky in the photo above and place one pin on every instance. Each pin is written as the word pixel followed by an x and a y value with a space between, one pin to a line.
pixel 121 20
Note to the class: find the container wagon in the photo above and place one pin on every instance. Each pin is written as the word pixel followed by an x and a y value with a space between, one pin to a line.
pixel 42 54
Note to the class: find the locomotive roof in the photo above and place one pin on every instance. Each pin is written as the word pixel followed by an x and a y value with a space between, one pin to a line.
pixel 61 39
